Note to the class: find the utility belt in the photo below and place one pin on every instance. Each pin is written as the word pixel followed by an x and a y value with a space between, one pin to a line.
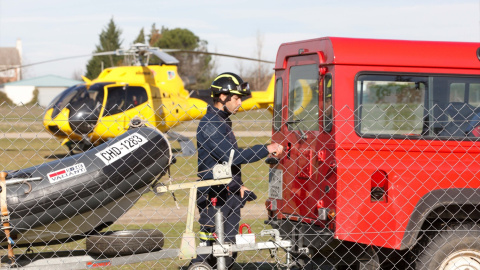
pixel 222 196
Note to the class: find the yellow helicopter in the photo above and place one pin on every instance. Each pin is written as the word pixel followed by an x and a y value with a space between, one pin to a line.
pixel 89 114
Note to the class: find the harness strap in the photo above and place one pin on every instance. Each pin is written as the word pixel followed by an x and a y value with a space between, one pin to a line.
pixel 5 217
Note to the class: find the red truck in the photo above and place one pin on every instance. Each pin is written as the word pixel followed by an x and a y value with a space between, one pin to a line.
pixel 382 153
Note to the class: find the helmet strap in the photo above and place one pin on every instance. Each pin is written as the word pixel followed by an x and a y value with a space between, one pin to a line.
pixel 224 102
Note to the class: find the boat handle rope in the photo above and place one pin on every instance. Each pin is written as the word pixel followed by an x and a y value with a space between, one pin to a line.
pixel 5 218
pixel 14 181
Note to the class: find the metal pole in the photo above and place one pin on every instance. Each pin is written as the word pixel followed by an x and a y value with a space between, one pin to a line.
pixel 188 247
pixel 221 262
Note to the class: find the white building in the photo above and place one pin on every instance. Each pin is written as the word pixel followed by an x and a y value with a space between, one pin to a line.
pixel 22 92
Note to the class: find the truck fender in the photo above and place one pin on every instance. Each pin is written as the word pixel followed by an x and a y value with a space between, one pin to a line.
pixel 431 201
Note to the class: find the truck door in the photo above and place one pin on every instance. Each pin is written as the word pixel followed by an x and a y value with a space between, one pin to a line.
pixel 301 136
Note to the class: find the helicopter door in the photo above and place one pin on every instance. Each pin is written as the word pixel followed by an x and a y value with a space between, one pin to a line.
pixel 136 104
pixel 123 103
pixel 113 119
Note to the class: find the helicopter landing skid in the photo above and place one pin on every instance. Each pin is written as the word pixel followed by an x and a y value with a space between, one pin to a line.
pixel 188 149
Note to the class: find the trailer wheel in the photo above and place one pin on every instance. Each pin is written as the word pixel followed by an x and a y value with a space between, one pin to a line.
pixel 199 266
pixel 454 249
pixel 121 243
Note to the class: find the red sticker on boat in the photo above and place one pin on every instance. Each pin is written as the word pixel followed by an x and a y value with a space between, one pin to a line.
pixel 67 173
pixel 100 263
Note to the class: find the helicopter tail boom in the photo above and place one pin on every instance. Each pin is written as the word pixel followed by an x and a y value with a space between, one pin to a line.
pixel 260 99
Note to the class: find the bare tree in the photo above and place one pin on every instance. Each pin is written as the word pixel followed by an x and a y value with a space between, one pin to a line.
pixel 259 75
pixel 26 72
pixel 241 69
pixel 77 74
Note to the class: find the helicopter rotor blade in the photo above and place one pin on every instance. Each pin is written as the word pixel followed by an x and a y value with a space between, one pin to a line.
pixel 59 59
pixel 165 57
pixel 218 54
pixel 162 54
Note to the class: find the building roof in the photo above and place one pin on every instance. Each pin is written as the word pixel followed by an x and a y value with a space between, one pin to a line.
pixel 9 56
pixel 45 81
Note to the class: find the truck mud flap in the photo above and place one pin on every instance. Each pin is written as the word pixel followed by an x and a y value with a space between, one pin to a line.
pixel 303 235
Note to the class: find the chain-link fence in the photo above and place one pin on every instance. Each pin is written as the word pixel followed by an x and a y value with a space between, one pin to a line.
pixel 145 218
pixel 385 194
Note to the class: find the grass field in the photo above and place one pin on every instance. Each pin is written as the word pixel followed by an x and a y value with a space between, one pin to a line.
pixel 22 153
pixel 15 119
pixel 21 119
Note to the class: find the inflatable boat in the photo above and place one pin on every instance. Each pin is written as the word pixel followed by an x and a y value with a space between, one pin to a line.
pixel 68 199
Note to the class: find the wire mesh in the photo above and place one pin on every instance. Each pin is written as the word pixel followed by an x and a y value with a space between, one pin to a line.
pixel 390 185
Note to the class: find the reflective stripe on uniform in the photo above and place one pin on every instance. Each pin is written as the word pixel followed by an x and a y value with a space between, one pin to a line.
pixel 206 236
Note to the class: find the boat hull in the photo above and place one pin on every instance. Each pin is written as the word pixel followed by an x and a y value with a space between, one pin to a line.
pixel 87 191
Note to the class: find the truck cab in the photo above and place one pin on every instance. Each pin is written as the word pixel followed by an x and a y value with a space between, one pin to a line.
pixel 382 147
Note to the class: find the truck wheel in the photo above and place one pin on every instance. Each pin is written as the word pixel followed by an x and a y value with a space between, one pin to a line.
pixel 371 264
pixel 199 266
pixel 454 249
pixel 121 243
pixel 301 260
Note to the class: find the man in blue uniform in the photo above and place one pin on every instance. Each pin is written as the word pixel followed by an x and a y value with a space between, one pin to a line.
pixel 215 140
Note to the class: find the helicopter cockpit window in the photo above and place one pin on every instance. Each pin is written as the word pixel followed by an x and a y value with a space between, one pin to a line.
pixel 60 96
pixel 98 86
pixel 115 101
pixel 136 95
pixel 87 102
pixel 63 99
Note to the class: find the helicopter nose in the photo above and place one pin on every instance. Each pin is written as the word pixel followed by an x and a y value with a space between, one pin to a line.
pixel 82 119
pixel 82 123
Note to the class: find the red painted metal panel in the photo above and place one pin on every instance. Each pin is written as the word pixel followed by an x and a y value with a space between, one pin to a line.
pixel 414 166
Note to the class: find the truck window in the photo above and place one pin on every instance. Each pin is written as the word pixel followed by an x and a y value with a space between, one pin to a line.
pixel 458 93
pixel 474 94
pixel 428 106
pixel 303 98
pixel 277 107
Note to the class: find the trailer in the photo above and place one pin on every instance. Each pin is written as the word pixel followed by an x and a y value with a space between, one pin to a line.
pixel 81 259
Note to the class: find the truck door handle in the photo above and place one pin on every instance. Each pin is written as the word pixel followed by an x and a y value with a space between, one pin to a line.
pixel 322 155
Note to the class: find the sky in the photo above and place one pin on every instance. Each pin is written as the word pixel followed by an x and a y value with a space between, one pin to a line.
pixel 51 29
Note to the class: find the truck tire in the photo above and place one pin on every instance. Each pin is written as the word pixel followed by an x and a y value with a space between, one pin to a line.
pixel 121 243
pixel 370 264
pixel 456 248
pixel 199 266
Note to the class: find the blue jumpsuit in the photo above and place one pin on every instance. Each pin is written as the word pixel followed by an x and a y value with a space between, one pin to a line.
pixel 215 140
